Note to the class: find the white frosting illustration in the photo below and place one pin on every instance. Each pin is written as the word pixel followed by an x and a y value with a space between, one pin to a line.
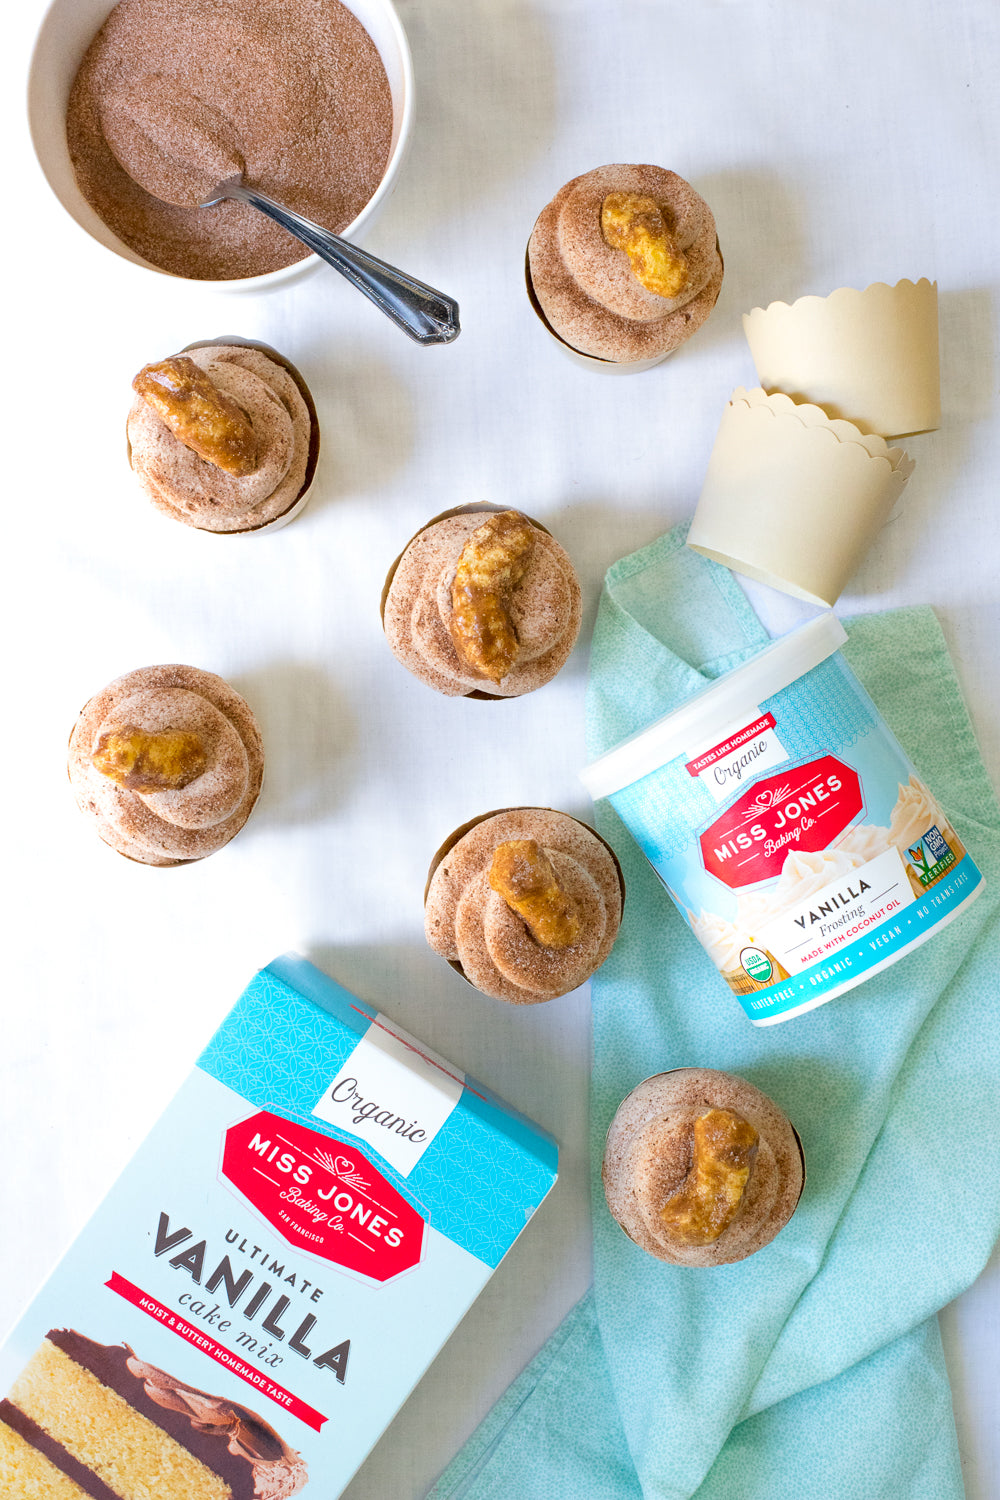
pixel 914 813
pixel 722 940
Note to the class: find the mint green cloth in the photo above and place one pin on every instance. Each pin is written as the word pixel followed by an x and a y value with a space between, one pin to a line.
pixel 813 1369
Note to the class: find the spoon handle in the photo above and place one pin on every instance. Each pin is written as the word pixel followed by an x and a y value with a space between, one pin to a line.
pixel 428 316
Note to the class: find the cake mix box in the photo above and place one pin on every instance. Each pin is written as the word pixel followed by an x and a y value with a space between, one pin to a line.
pixel 276 1267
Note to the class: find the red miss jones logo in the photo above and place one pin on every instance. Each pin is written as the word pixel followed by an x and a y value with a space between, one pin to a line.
pixel 323 1197
pixel 805 808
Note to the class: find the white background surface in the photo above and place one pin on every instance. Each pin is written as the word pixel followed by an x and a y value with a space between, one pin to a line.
pixel 837 145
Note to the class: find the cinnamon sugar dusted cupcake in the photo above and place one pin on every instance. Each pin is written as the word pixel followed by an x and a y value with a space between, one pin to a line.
pixel 624 264
pixel 482 603
pixel 525 903
pixel 701 1168
pixel 168 763
pixel 224 436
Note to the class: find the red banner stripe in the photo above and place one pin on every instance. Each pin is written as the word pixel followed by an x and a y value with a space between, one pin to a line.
pixel 261 1382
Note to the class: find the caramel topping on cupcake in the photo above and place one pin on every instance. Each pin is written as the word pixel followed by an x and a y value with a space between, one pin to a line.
pixel 168 763
pixel 526 903
pixel 199 414
pixel 635 224
pixel 522 873
pixel 494 560
pixel 723 1148
pixel 150 762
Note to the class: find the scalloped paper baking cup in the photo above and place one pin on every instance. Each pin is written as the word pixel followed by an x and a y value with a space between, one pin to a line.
pixel 871 356
pixel 792 497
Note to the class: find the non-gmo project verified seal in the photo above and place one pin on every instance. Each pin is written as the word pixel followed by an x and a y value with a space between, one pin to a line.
pixel 931 856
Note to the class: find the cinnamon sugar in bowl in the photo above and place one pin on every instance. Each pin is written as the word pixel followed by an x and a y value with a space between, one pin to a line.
pixel 66 34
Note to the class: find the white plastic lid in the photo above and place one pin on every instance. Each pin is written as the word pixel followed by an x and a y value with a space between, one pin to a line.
pixel 716 708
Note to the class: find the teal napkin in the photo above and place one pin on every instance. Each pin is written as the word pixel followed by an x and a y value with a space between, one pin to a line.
pixel 814 1368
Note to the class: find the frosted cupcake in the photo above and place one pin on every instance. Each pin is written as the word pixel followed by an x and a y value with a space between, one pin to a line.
pixel 224 437
pixel 525 903
pixel 701 1168
pixel 624 264
pixel 168 763
pixel 483 603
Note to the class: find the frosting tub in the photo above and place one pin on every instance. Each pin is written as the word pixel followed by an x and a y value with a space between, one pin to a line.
pixel 789 827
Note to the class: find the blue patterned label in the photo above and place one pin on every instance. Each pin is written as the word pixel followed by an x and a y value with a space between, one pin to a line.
pixel 291 1040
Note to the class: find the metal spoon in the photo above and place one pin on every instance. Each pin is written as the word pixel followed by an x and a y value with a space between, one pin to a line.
pixel 428 316
pixel 176 147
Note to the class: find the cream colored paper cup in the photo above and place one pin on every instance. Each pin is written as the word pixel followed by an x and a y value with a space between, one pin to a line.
pixel 793 498
pixel 870 356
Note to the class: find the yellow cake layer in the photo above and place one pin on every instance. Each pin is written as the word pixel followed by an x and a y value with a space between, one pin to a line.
pixel 93 1423
pixel 26 1474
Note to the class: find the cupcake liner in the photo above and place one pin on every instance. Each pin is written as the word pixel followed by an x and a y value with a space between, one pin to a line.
pixel 793 498
pixel 870 356
pixel 588 361
pixel 303 497
pixel 464 828
pixel 446 515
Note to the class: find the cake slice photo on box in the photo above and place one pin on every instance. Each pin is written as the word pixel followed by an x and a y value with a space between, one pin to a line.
pixel 91 1419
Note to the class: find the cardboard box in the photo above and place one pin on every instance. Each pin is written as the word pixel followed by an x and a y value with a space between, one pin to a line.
pixel 277 1266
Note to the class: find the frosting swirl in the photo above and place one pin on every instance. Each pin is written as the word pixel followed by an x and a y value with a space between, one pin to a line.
pixel 278 1470
pixel 469 924
pixel 545 608
pixel 585 286
pixel 169 824
pixel 915 812
pixel 189 488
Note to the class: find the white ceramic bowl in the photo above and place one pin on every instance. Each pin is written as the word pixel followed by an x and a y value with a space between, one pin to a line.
pixel 65 34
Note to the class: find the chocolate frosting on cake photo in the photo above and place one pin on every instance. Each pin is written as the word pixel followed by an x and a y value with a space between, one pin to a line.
pixel 94 1420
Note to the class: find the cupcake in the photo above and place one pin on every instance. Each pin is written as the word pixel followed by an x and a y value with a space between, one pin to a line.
pixel 483 603
pixel 224 436
pixel 525 903
pixel 624 264
pixel 168 763
pixel 701 1168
